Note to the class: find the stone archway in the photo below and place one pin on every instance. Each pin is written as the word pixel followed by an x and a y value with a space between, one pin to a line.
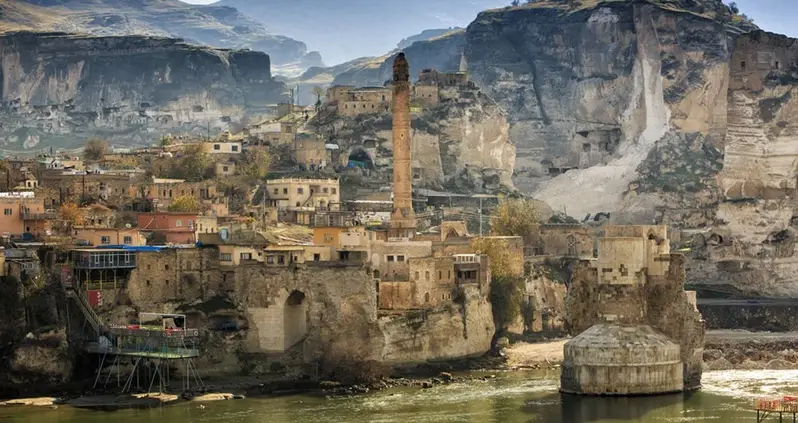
pixel 294 319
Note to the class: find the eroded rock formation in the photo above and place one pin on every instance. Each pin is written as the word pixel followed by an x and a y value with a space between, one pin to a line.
pixel 59 89
pixel 752 242
pixel 461 144
pixel 601 98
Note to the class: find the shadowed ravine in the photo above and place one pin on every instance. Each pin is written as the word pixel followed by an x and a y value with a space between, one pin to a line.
pixel 509 397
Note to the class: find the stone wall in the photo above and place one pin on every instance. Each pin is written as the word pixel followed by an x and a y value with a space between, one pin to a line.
pixel 323 310
pixel 658 301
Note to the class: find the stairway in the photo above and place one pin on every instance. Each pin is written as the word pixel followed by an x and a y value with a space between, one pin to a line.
pixel 83 303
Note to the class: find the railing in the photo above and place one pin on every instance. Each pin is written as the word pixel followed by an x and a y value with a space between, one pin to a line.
pixel 784 405
pixel 40 216
pixel 85 307
pixel 145 332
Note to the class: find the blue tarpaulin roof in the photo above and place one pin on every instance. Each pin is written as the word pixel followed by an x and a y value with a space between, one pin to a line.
pixel 142 248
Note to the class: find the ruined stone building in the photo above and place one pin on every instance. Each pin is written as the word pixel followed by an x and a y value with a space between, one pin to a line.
pixel 64 186
pixel 364 100
pixel 310 151
pixel 638 331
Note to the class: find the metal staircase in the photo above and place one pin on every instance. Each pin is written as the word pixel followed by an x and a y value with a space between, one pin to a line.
pixel 83 303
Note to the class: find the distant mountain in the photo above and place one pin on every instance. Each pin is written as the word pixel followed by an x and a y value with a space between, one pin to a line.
pixel 345 29
pixel 425 35
pixel 217 26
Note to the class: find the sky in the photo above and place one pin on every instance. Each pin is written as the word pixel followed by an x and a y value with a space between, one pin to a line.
pixel 778 16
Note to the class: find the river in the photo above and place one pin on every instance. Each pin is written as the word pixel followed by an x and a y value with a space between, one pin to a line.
pixel 520 397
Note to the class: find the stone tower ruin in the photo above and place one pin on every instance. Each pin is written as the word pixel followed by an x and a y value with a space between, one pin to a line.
pixel 403 220
pixel 640 333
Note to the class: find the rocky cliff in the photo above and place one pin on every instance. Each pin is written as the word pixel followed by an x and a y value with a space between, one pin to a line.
pixel 461 144
pixel 602 97
pixel 751 244
pixel 59 89
pixel 213 25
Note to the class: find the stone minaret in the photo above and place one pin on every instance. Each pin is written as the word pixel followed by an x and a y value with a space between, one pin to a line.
pixel 403 220
pixel 463 63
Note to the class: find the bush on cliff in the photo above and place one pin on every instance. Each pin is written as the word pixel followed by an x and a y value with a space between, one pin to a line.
pixel 505 297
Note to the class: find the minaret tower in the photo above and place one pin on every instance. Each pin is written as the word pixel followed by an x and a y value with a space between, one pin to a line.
pixel 403 220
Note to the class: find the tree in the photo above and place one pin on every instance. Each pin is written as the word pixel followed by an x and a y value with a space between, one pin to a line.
pixel 514 3
pixel 184 204
pixel 319 92
pixel 95 149
pixel 165 141
pixel 733 8
pixel 515 217
pixel 71 214
pixel 194 163
pixel 504 262
pixel 506 283
pixel 255 165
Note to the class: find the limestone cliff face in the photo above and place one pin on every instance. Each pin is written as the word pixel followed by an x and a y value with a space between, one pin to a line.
pixel 592 91
pixel 462 144
pixel 611 93
pixel 58 89
pixel 752 242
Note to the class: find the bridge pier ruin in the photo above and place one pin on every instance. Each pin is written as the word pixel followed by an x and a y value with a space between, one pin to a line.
pixel 640 333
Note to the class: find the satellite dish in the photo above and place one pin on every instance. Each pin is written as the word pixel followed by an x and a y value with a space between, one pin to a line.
pixel 127 225
pixel 224 234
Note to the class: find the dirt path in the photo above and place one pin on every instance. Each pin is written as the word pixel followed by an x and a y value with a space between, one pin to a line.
pixel 538 355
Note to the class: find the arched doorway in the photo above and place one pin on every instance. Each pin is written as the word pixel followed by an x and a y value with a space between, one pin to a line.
pixel 360 158
pixel 294 319
pixel 571 241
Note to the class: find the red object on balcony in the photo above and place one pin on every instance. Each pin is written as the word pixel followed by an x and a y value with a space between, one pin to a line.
pixel 95 298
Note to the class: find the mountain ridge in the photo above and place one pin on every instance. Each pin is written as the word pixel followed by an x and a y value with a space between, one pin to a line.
pixel 215 26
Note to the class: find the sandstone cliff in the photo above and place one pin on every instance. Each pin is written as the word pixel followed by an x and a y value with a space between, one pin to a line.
pixel 59 89
pixel 461 144
pixel 752 242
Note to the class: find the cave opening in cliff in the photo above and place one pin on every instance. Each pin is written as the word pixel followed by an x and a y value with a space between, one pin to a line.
pixel 360 158
pixel 294 319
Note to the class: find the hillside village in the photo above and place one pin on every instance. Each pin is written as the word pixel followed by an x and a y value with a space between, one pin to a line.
pixel 305 251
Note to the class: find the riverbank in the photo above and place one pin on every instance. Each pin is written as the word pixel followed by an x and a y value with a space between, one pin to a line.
pixel 724 350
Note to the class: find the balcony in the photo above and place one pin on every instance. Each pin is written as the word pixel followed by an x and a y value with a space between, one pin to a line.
pixel 104 259
pixel 39 216
pixel 19 253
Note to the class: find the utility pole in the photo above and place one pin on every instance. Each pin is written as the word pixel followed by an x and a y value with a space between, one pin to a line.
pixel 480 216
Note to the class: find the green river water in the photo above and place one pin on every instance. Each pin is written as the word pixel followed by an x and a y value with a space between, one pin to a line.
pixel 509 397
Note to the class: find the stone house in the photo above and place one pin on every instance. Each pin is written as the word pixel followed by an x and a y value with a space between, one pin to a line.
pixel 222 147
pixel 109 236
pixel 310 151
pixel 74 186
pixel 365 100
pixel 21 213
pixel 425 95
pixel 299 193
pixel 168 227
pixel 224 169
pixel 573 240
